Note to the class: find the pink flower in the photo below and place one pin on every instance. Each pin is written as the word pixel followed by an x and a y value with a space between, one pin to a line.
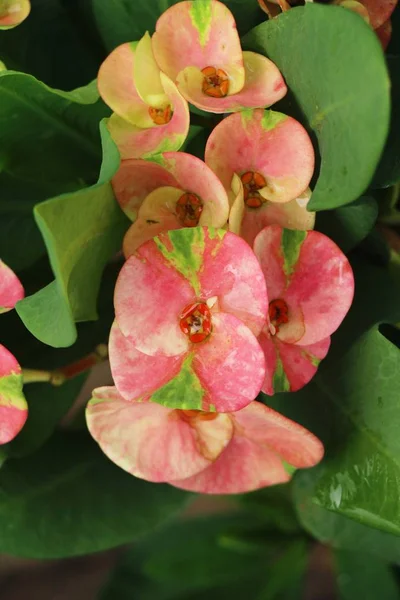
pixel 13 12
pixel 178 190
pixel 210 453
pixel 150 116
pixel 13 406
pixel 274 158
pixel 310 287
pixel 189 305
pixel 197 45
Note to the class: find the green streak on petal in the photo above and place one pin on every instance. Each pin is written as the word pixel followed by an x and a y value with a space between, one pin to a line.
pixel 201 16
pixel 133 45
pixel 4 309
pixel 246 116
pixel 11 391
pixel 291 243
pixel 290 469
pixel 186 255
pixel 312 359
pixel 280 382
pixel 214 233
pixel 184 391
pixel 271 119
pixel 168 144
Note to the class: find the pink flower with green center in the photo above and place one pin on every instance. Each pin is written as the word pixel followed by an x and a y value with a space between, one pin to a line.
pixel 150 115
pixel 210 453
pixel 310 287
pixel 13 12
pixel 274 158
pixel 189 306
pixel 13 406
pixel 178 190
pixel 197 45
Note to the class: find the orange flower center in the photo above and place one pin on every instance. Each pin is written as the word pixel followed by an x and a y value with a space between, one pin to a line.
pixel 188 209
pixel 252 182
pixel 215 82
pixel 161 116
pixel 278 313
pixel 191 415
pixel 195 322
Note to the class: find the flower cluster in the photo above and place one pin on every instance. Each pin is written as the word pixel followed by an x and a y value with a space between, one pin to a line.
pixel 226 290
pixel 13 406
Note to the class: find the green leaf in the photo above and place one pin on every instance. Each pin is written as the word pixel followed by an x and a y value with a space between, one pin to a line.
pixel 360 576
pixel 82 231
pixel 342 89
pixel 349 225
pixel 336 530
pixel 124 21
pixel 69 499
pixel 388 172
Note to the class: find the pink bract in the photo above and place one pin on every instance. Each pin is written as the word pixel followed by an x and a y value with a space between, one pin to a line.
pixel 11 289
pixel 206 29
pixel 310 286
pixel 208 453
pixel 131 126
pixel 13 406
pixel 189 267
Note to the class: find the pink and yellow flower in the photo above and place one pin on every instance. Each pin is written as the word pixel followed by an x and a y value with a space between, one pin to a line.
pixel 13 12
pixel 150 115
pixel 178 190
pixel 189 306
pixel 310 287
pixel 197 45
pixel 274 158
pixel 13 405
pixel 210 453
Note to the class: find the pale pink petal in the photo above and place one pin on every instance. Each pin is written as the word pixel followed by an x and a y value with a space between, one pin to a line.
pixel 269 143
pixel 292 215
pixel 150 294
pixel 289 367
pixel 136 374
pixel 267 248
pixel 199 34
pixel 135 142
pixel 229 364
pixel 231 273
pixel 13 405
pixel 135 179
pixel 263 86
pixel 153 442
pixel 11 290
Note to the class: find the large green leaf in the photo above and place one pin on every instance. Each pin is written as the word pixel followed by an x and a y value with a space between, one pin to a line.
pixel 82 231
pixel 360 576
pixel 123 20
pixel 335 68
pixel 69 499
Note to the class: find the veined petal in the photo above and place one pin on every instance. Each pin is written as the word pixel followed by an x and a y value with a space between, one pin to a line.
pixel 153 442
pixel 136 142
pixel 116 83
pixel 147 74
pixel 319 282
pixel 13 12
pixel 266 142
pixel 230 364
pixel 13 405
pixel 201 33
pixel 150 294
pixel 11 289
pixel 262 440
pixel 135 180
pixel 130 368
pixel 230 271
pixel 292 215
pixel 289 367
pixel 263 86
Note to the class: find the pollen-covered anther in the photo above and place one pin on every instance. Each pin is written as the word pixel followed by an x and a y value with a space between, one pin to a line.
pixel 278 313
pixel 215 82
pixel 195 322
pixel 252 182
pixel 188 209
pixel 161 116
